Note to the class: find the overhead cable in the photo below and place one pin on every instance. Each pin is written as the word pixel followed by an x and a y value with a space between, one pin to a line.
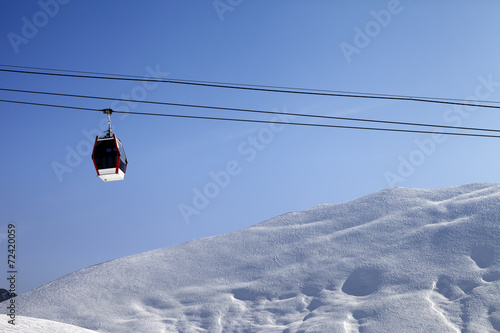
pixel 220 108
pixel 254 120
pixel 261 88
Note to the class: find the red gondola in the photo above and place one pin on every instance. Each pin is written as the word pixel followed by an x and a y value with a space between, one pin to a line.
pixel 109 156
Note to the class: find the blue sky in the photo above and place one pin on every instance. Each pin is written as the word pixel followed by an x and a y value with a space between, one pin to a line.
pixel 70 220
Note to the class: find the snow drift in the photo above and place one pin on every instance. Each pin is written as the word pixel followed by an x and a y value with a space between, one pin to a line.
pixel 400 260
pixel 35 325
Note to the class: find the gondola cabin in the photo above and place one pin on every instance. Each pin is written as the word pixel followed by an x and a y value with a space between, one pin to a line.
pixel 109 158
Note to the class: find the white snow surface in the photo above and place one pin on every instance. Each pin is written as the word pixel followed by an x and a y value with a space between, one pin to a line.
pixel 36 325
pixel 400 260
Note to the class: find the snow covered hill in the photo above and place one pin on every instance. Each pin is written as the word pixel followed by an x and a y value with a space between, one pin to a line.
pixel 400 260
pixel 35 325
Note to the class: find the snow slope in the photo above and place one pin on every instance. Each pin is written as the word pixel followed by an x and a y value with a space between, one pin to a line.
pixel 400 260
pixel 35 325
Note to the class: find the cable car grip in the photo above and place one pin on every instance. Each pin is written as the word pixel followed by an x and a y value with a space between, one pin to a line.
pixel 108 112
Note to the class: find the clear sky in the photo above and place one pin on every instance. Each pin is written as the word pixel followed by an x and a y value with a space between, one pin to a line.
pixel 188 178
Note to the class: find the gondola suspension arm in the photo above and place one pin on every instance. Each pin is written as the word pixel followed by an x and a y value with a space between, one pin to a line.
pixel 108 112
